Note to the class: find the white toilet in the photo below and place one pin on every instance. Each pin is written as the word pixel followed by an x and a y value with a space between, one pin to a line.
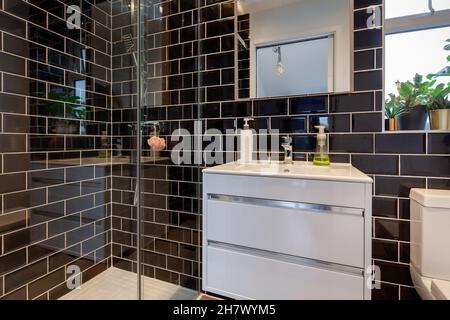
pixel 430 243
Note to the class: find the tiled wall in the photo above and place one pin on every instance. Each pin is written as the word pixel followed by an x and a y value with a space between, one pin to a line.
pixel 54 187
pixel 243 26
pixel 189 58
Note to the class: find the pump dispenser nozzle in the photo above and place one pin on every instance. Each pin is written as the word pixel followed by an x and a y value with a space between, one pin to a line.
pixel 321 157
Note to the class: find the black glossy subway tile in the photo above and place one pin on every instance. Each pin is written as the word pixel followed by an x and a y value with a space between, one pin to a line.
pixel 315 104
pixel 442 184
pixel 26 11
pixel 12 64
pixel 386 291
pixel 366 39
pixel 23 162
pixel 352 143
pixel 12 261
pixel 45 248
pixel 21 47
pixel 64 224
pixel 425 166
pixel 379 58
pixel 46 283
pixel 63 192
pixel 25 275
pixel 392 229
pixel 210 13
pixel 397 186
pixel 364 60
pixel 220 93
pixel 377 164
pixel 39 179
pixel 304 143
pixel 409 294
pixel 367 122
pixel 404 253
pixel 45 37
pixel 384 207
pixel 288 125
pixel 45 143
pixel 236 109
pixel 12 182
pixel 270 107
pixel 12 143
pixel 46 213
pixel 12 24
pixel 352 102
pixel 12 103
pixel 16 124
pixel 404 209
pixel 13 221
pixel 219 28
pixel 220 60
pixel 385 250
pixel 394 272
pixel 332 123
pixel 439 143
pixel 414 143
pixel 368 80
pixel 24 199
pixel 24 237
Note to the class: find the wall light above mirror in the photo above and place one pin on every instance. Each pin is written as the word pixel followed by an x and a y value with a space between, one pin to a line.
pixel 293 47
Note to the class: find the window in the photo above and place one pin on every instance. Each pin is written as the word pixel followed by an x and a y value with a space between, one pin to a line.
pixel 414 52
pixel 297 67
pixel 400 8
pixel 416 34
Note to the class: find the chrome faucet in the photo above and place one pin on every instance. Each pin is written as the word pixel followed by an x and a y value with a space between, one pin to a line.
pixel 287 146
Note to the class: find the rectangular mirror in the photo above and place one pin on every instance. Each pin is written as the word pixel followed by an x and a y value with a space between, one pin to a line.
pixel 293 47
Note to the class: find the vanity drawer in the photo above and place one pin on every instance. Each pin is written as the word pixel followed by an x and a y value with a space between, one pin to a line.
pixel 314 232
pixel 246 276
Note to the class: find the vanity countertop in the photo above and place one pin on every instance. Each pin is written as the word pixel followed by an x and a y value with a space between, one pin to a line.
pixel 298 170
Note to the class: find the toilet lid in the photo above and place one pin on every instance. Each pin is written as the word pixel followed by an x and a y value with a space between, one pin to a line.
pixel 440 289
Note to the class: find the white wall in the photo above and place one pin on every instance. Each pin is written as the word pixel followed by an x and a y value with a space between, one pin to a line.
pixel 305 18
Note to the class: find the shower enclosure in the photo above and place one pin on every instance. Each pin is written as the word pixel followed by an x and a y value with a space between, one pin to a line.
pixel 93 204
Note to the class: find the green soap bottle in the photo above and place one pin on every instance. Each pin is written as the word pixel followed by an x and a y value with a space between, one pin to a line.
pixel 321 157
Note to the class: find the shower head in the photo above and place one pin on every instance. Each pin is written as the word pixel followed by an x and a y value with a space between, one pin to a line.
pixel 128 42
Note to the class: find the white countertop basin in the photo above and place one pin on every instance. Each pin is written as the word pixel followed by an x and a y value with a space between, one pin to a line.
pixel 298 170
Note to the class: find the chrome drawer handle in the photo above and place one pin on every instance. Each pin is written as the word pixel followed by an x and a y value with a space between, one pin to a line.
pixel 321 208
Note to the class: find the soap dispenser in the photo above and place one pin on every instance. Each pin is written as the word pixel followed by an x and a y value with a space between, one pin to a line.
pixel 321 157
pixel 246 142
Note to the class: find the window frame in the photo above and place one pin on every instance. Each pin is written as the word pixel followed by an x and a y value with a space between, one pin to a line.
pixel 417 22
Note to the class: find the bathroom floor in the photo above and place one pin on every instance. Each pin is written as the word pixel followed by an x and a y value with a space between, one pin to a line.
pixel 118 284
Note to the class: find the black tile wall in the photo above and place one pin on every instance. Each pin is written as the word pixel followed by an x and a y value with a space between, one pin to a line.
pixel 190 73
pixel 42 63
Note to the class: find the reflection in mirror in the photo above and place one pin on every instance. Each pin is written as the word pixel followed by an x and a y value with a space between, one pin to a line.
pixel 285 69
pixel 293 47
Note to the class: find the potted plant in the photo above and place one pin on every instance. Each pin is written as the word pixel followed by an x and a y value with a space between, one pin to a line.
pixel 414 99
pixel 439 107
pixel 393 108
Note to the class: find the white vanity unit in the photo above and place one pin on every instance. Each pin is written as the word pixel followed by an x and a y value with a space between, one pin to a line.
pixel 276 231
